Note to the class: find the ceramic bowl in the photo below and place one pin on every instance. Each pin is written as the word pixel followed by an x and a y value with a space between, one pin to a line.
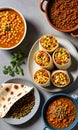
pixel 45 6
pixel 74 100
pixel 13 28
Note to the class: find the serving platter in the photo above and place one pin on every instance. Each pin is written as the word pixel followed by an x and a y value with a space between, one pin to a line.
pixel 26 118
pixel 73 70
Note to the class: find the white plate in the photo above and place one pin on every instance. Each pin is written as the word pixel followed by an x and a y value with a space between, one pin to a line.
pixel 73 70
pixel 26 118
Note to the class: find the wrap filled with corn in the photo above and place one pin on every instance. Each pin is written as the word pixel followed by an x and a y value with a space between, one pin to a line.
pixel 43 59
pixel 14 99
pixel 42 77
pixel 48 43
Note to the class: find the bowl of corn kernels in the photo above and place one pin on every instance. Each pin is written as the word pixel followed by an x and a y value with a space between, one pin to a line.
pixel 12 28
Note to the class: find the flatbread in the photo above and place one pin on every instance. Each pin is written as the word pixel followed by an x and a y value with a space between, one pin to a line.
pixel 11 93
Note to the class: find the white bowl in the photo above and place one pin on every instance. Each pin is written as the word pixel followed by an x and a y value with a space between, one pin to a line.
pixel 10 26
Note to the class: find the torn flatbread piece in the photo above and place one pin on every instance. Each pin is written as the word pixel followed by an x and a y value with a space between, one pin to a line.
pixel 10 93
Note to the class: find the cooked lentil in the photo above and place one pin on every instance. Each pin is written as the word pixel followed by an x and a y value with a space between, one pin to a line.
pixel 48 42
pixel 23 106
pixel 60 79
pixel 41 76
pixel 11 28
pixel 63 13
pixel 60 112
pixel 61 56
pixel 42 58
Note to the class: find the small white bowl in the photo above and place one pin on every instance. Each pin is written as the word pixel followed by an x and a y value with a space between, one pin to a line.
pixel 60 78
pixel 61 58
pixel 42 77
pixel 48 43
pixel 12 29
pixel 41 58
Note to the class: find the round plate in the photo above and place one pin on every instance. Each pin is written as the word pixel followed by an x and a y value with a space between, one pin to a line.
pixel 73 70
pixel 26 118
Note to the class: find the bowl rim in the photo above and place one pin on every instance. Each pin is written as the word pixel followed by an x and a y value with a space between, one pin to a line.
pixel 46 103
pixel 25 26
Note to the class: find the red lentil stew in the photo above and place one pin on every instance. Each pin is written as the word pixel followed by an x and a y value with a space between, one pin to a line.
pixel 11 28
pixel 63 13
pixel 60 112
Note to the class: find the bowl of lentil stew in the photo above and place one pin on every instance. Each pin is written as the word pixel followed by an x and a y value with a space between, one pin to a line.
pixel 62 15
pixel 60 112
pixel 12 28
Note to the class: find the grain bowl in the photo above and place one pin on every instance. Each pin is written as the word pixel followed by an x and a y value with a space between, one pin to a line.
pixel 12 28
pixel 62 14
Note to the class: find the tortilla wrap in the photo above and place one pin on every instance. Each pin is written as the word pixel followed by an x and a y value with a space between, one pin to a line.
pixel 11 93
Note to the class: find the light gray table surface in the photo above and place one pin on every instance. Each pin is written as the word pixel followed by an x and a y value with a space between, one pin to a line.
pixel 37 25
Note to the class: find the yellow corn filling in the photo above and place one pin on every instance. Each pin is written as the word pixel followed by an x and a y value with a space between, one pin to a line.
pixel 60 79
pixel 41 76
pixel 48 42
pixel 61 56
pixel 42 58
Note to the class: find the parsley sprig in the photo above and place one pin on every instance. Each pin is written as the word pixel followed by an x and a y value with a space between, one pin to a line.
pixel 15 64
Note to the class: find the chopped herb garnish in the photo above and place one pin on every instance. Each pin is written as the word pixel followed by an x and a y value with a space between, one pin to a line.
pixel 15 64
pixel 7 28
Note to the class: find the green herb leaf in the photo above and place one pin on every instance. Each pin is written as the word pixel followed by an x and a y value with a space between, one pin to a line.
pixel 7 28
pixel 15 64
pixel 21 70
pixel 5 70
